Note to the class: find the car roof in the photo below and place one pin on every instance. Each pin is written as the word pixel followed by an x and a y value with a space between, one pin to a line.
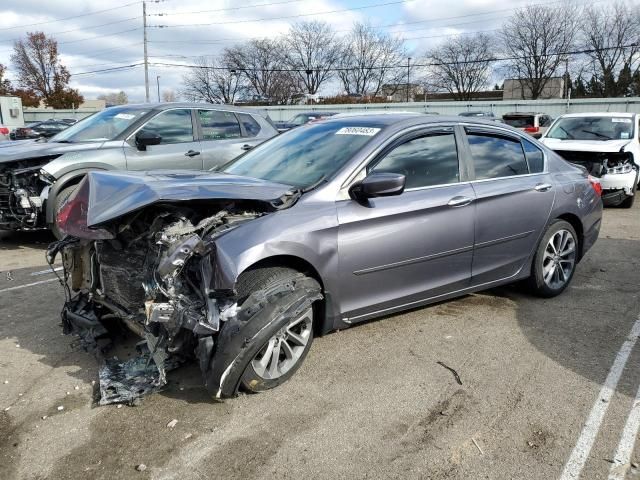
pixel 406 119
pixel 169 105
pixel 522 114
pixel 601 114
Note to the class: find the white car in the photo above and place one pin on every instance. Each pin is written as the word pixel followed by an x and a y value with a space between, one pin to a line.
pixel 607 145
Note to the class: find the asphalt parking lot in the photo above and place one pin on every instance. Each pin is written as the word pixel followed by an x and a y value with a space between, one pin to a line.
pixel 369 402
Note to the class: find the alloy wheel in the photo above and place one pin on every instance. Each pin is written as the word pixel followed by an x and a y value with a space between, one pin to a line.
pixel 285 348
pixel 559 259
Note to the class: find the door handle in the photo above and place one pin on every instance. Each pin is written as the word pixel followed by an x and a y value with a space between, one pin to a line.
pixel 191 153
pixel 246 147
pixel 543 187
pixel 459 201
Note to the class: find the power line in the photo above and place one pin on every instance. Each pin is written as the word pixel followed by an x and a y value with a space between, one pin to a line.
pixel 283 18
pixel 225 9
pixel 105 70
pixel 72 18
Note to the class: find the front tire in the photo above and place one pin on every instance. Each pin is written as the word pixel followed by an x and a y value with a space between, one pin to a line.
pixel 555 260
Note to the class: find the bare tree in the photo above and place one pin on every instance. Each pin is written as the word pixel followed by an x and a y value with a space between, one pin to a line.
pixel 536 40
pixel 462 65
pixel 261 63
pixel 369 59
pixel 212 81
pixel 38 66
pixel 312 50
pixel 168 96
pixel 5 83
pixel 612 34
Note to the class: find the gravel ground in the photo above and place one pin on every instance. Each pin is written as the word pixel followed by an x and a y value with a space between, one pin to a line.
pixel 369 402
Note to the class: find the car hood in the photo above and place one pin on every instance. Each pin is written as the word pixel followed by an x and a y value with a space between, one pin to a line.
pixel 114 194
pixel 606 146
pixel 22 149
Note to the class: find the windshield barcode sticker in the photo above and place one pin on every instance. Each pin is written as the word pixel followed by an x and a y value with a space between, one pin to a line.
pixel 366 131
pixel 125 116
pixel 621 120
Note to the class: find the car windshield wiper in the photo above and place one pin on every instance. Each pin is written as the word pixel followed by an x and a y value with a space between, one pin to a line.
pixel 63 141
pixel 601 135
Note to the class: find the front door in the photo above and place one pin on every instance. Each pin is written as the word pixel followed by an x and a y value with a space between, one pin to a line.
pixel 179 148
pixel 514 196
pixel 399 250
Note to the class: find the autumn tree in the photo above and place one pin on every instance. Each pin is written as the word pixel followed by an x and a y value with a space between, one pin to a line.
pixel 115 98
pixel 37 64
pixel 168 96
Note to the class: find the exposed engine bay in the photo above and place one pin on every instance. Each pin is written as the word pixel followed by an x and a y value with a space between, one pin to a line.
pixel 600 163
pixel 154 278
pixel 23 192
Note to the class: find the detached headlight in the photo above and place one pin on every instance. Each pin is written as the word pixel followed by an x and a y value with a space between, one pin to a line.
pixel 624 168
pixel 46 177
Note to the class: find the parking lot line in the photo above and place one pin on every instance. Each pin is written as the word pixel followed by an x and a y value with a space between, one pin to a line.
pixel 580 452
pixel 622 457
pixel 18 287
pixel 45 272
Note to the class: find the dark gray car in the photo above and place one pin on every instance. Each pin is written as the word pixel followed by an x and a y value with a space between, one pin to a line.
pixel 37 176
pixel 318 229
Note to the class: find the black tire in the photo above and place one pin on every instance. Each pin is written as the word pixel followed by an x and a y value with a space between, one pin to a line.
pixel 628 202
pixel 62 197
pixel 536 282
pixel 271 300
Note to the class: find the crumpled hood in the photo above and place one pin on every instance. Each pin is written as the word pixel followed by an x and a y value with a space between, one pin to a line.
pixel 23 149
pixel 113 194
pixel 605 146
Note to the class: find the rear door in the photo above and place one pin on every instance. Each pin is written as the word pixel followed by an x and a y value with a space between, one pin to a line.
pixel 514 196
pixel 179 148
pixel 400 250
pixel 222 137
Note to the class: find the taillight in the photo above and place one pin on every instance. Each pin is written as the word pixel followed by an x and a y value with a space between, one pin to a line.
pixel 4 131
pixel 596 185
pixel 530 129
pixel 71 219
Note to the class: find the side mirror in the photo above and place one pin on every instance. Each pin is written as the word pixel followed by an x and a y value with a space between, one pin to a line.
pixel 381 184
pixel 146 138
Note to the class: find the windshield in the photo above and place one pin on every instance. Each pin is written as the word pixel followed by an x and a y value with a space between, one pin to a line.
pixel 103 126
pixel 305 155
pixel 519 121
pixel 299 119
pixel 592 128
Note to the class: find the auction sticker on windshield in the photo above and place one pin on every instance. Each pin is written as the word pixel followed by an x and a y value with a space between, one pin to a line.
pixel 621 120
pixel 366 131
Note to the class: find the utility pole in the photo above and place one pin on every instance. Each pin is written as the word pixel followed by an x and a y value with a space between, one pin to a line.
pixel 146 57
pixel 408 74
pixel 158 83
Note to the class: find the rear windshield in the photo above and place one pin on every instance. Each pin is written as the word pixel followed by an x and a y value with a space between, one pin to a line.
pixel 519 121
pixel 592 128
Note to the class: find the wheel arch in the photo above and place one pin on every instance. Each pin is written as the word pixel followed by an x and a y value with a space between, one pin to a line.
pixel 576 223
pixel 68 179
pixel 303 266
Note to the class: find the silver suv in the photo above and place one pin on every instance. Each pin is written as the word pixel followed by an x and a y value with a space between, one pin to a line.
pixel 36 177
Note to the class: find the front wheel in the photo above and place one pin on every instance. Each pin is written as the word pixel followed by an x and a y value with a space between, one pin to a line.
pixel 555 260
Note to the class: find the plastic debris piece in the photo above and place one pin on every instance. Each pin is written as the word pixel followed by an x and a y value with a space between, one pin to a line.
pixel 172 423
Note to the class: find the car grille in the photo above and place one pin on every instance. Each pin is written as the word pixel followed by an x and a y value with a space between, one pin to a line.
pixel 121 277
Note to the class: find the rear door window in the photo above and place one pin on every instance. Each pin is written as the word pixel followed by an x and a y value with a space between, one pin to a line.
pixel 535 157
pixel 424 161
pixel 496 156
pixel 218 125
pixel 251 126
pixel 519 121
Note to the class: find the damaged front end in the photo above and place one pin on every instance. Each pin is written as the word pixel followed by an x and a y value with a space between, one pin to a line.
pixel 23 192
pixel 617 171
pixel 150 271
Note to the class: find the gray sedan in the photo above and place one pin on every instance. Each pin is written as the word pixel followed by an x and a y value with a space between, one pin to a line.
pixel 318 229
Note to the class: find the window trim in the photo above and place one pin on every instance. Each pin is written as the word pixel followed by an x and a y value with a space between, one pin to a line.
pixel 242 127
pixel 131 138
pixel 506 133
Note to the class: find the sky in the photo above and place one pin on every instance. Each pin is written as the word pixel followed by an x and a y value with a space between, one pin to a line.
pixel 97 35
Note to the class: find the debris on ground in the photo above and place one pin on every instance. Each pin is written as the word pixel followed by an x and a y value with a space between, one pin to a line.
pixel 455 374
pixel 60 408
pixel 172 423
pixel 477 446
pixel 141 468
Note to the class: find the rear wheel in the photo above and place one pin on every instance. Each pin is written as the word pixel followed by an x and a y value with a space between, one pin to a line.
pixel 555 260
pixel 62 197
